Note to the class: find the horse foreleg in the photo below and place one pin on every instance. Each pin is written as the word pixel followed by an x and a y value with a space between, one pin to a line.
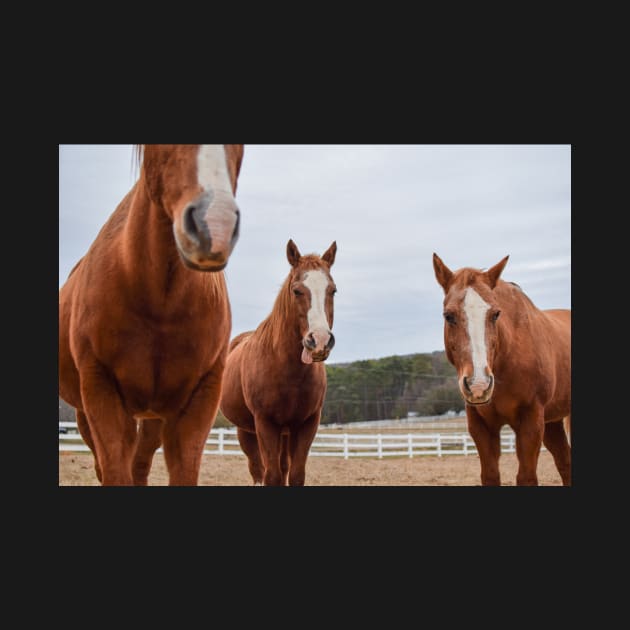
pixel 149 440
pixel 555 440
pixel 112 431
pixel 529 436
pixel 301 440
pixel 249 445
pixel 269 441
pixel 184 436
pixel 488 443
pixel 84 430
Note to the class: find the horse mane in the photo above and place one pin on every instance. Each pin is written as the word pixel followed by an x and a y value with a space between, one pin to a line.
pixel 272 330
pixel 516 292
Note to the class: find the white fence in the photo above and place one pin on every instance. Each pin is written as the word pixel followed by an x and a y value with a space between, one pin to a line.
pixel 223 441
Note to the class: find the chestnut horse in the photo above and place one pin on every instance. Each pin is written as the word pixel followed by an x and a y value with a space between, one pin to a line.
pixel 144 316
pixel 513 364
pixel 274 383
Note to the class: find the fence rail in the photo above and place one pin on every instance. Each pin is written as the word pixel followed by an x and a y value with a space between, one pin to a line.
pixel 223 441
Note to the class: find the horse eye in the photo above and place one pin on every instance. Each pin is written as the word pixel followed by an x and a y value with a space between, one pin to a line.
pixel 495 316
pixel 297 292
pixel 449 317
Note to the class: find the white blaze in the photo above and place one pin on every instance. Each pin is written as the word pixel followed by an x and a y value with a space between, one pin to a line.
pixel 317 282
pixel 213 175
pixel 212 170
pixel 475 309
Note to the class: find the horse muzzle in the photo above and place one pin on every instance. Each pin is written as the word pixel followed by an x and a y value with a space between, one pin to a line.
pixel 317 346
pixel 207 232
pixel 475 391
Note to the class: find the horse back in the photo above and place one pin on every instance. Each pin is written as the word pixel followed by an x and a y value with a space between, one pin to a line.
pixel 238 339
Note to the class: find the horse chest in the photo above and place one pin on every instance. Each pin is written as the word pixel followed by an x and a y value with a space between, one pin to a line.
pixel 288 398
pixel 498 412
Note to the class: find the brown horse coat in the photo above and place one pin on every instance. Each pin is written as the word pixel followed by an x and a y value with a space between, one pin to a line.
pixel 144 317
pixel 275 380
pixel 513 363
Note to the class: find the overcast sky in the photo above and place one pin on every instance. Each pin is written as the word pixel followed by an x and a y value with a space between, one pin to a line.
pixel 389 207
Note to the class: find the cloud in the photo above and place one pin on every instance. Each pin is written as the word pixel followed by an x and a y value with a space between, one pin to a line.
pixel 389 207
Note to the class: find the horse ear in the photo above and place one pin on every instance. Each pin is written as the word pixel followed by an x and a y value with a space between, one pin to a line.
pixel 293 253
pixel 329 254
pixel 494 272
pixel 442 273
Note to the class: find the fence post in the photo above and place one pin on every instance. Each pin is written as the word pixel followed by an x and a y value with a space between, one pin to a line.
pixel 465 445
pixel 379 446
pixel 410 443
pixel 221 434
pixel 345 446
pixel 439 445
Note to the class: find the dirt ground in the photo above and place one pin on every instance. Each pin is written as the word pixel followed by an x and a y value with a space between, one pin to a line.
pixel 77 469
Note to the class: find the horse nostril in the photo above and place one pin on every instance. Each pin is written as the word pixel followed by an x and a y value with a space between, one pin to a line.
pixel 331 342
pixel 190 224
pixel 236 227
pixel 310 341
pixel 466 385
pixel 196 226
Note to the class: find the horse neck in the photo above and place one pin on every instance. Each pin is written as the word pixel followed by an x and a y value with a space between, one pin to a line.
pixel 520 322
pixel 152 264
pixel 280 332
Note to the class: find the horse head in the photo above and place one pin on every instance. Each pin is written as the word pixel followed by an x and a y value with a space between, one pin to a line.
pixel 195 184
pixel 471 311
pixel 312 290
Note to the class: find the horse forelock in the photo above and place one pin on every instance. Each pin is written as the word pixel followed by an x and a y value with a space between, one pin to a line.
pixel 459 282
pixel 467 277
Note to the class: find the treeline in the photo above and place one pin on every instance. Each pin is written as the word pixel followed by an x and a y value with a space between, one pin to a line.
pixel 391 387
pixel 378 389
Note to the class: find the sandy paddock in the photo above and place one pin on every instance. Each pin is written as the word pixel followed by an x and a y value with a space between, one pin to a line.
pixel 76 469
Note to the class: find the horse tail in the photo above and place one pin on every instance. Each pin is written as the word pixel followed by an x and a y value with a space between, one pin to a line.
pixel 238 340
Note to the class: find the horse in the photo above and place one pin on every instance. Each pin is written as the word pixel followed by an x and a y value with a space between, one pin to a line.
pixel 274 383
pixel 513 363
pixel 145 319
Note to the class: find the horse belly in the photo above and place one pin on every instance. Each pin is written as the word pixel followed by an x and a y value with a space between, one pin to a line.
pixel 558 408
